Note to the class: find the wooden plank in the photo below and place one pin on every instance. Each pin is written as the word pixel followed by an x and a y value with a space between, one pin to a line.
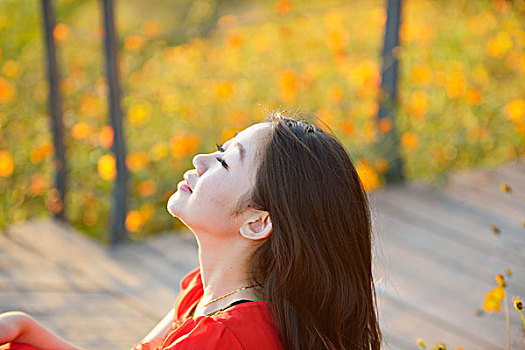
pixel 21 269
pixel 447 295
pixel 459 221
pixel 89 320
pixel 402 324
pixel 478 191
pixel 61 244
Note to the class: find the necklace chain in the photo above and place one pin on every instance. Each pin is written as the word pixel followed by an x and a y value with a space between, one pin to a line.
pixel 225 295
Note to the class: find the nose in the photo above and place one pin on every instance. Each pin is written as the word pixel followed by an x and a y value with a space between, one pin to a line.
pixel 201 163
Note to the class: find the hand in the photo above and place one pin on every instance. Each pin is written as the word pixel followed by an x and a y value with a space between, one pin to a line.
pixel 12 325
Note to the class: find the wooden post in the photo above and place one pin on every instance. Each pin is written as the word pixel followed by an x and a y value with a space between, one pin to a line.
pixel 55 110
pixel 120 191
pixel 388 92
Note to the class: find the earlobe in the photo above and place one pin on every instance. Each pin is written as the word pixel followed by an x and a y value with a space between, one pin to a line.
pixel 257 227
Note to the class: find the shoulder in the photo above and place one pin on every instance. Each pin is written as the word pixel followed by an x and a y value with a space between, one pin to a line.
pixel 252 325
pixel 246 326
pixel 190 292
pixel 208 333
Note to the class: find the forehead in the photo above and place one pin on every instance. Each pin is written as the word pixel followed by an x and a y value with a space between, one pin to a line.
pixel 250 139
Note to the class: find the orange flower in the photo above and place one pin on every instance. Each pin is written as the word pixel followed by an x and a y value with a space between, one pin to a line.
pixel 38 184
pixel 409 140
pixel 81 131
pixel 346 127
pixel 283 6
pixel 105 136
pixel 133 42
pixel 7 91
pixel 133 221
pixel 61 32
pixel 385 125
pixel 234 40
pixel 288 85
pixel 146 188
pixel 137 161
pixel 473 96
pixel 184 143
pixel 381 164
pixel 7 164
pixel 367 175
pixel 38 154
pixel 151 29
pixel 107 167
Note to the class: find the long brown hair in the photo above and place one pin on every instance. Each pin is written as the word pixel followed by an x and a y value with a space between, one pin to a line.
pixel 315 268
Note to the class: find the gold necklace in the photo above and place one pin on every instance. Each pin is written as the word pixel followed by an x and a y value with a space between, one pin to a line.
pixel 225 295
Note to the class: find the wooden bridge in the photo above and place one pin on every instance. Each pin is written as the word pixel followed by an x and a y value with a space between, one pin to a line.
pixel 436 257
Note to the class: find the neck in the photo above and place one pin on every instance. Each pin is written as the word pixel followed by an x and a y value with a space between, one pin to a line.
pixel 224 268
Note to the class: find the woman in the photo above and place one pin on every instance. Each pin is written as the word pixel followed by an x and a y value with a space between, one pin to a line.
pixel 284 234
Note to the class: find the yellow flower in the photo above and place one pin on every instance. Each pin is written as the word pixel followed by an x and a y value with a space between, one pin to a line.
pixel 139 112
pixel 421 75
pixel 223 90
pixel 11 69
pixel 146 212
pixel 7 164
pixel 420 343
pixel 107 167
pixel 493 299
pixel 515 110
pixel 455 84
pixel 498 46
pixel 418 104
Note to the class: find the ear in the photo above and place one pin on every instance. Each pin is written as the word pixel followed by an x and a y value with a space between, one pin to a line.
pixel 257 227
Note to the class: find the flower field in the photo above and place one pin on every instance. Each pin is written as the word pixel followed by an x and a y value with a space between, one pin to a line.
pixel 461 93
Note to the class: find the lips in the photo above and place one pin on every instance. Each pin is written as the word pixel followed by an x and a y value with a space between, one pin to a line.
pixel 187 184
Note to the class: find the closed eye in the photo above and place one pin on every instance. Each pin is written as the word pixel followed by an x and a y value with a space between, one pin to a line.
pixel 222 161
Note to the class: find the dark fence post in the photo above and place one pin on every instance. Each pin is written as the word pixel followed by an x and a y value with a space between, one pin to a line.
pixel 55 109
pixel 120 191
pixel 388 92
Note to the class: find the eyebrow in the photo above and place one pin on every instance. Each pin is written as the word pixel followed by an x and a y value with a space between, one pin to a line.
pixel 241 149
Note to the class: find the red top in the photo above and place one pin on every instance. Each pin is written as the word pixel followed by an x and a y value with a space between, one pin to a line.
pixel 242 326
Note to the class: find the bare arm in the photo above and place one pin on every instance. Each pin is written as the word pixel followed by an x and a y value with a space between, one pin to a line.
pixel 161 328
pixel 19 327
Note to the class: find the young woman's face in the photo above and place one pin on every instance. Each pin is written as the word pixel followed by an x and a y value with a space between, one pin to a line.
pixel 215 189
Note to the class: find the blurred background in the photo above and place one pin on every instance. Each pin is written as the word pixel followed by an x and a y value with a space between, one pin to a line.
pixel 194 72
